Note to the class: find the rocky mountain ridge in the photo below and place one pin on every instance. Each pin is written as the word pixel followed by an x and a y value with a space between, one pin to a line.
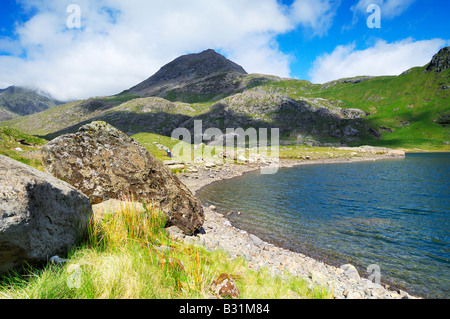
pixel 207 86
pixel 206 74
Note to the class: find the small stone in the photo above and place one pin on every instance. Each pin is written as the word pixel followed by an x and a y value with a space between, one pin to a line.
pixel 254 240
pixel 351 272
pixel 224 287
pixel 58 260
pixel 175 232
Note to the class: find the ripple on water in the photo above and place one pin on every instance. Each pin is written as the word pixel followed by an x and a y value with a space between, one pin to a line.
pixel 394 213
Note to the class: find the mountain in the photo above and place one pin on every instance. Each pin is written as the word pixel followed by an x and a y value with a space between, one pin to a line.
pixel 409 110
pixel 18 101
pixel 193 78
pixel 440 61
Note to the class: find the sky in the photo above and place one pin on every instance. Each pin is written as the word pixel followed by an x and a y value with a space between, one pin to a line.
pixel 76 49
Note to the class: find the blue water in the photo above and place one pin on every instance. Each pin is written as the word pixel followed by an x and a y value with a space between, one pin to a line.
pixel 394 213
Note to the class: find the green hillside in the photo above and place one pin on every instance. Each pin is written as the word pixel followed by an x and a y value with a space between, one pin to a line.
pixel 410 110
pixel 19 146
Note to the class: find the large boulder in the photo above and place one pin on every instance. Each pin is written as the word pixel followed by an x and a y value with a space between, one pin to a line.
pixel 104 163
pixel 40 216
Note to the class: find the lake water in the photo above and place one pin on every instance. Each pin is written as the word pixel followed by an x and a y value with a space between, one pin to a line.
pixel 393 213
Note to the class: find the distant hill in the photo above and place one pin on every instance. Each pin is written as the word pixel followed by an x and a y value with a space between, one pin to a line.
pixel 410 110
pixel 198 77
pixel 18 101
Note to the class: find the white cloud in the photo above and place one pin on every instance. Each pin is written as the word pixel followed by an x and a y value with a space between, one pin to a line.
pixel 389 8
pixel 121 43
pixel 381 59
pixel 316 15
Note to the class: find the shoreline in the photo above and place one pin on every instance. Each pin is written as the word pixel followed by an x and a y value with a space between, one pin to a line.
pixel 219 233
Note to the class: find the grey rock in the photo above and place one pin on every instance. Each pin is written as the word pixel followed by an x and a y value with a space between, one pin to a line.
pixel 40 216
pixel 254 240
pixel 351 272
pixel 58 260
pixel 206 72
pixel 440 61
pixel 104 163
pixel 175 232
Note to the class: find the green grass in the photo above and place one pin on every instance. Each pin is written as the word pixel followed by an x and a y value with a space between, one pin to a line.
pixel 290 152
pixel 9 142
pixel 120 259
pixel 407 105
pixel 405 109
pixel 312 152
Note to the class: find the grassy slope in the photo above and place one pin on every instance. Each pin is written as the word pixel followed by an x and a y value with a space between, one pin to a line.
pixel 128 254
pixel 407 105
pixel 9 143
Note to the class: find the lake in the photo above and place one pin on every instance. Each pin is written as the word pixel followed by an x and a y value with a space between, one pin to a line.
pixel 393 213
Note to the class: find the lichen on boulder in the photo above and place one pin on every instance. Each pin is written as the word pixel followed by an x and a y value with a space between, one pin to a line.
pixel 40 216
pixel 104 163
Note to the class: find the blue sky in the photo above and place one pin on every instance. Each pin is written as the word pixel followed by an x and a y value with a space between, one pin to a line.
pixel 421 20
pixel 121 43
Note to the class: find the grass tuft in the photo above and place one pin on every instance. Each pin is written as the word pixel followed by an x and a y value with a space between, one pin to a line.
pixel 128 254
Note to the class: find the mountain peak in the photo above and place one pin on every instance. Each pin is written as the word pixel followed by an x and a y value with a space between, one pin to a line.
pixel 20 101
pixel 440 61
pixel 188 68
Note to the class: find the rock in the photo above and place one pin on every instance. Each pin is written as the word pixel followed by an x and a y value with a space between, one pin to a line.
pixel 396 152
pixel 229 154
pixel 374 150
pixel 241 158
pixel 104 163
pixel 40 216
pixel 254 240
pixel 58 260
pixel 18 149
pixel 254 250
pixel 354 295
pixel 176 166
pixel 350 131
pixel 224 287
pixel 351 272
pixel 440 61
pixel 175 232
